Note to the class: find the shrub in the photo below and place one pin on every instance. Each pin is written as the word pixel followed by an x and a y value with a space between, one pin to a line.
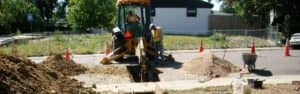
pixel 18 32
pixel 218 37
pixel 57 35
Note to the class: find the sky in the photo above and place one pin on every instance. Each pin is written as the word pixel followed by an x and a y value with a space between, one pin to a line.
pixel 216 3
pixel 60 0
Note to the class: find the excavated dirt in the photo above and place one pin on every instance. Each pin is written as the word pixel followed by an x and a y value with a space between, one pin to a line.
pixel 105 74
pixel 22 76
pixel 67 68
pixel 117 70
pixel 210 65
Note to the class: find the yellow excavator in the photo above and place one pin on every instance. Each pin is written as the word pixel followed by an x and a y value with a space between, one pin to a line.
pixel 135 38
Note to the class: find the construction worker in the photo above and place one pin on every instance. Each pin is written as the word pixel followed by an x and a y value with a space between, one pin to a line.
pixel 132 18
pixel 134 26
pixel 157 40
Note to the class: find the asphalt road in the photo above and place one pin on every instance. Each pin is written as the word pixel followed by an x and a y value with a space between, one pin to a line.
pixel 269 62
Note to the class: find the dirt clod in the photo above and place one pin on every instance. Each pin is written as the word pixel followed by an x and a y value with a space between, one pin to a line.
pixel 210 65
pixel 22 76
pixel 68 68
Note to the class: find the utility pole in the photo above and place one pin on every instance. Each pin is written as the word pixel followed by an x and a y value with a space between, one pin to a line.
pixel 30 20
pixel 44 18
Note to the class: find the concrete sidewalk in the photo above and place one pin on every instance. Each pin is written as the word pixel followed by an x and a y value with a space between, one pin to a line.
pixel 7 40
pixel 189 84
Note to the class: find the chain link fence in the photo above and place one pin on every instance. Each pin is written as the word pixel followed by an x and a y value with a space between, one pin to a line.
pixel 51 43
pixel 243 38
pixel 44 44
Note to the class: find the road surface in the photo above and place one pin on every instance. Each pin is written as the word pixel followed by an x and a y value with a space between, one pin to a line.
pixel 269 62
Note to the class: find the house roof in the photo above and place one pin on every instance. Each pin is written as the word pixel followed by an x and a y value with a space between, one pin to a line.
pixel 180 4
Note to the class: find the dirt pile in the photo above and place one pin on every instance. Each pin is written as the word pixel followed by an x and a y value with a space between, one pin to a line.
pixel 22 76
pixel 105 74
pixel 117 70
pixel 209 65
pixel 67 68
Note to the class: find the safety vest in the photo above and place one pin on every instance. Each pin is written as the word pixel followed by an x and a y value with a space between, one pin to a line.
pixel 157 34
pixel 128 35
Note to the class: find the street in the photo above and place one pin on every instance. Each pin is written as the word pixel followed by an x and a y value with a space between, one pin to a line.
pixel 272 66
pixel 272 61
pixel 269 62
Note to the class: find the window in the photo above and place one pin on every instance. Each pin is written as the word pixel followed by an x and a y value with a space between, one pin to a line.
pixel 191 12
pixel 153 12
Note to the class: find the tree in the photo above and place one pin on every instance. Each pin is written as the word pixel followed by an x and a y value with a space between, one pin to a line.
pixel 61 9
pixel 227 8
pixel 13 14
pixel 250 9
pixel 287 17
pixel 46 8
pixel 286 12
pixel 83 14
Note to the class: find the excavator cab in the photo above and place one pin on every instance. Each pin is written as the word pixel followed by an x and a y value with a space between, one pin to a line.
pixel 127 29
pixel 132 28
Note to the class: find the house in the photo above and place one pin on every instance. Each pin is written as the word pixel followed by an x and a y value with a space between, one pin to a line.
pixel 188 17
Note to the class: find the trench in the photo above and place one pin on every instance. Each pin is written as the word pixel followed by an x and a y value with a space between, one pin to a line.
pixel 134 74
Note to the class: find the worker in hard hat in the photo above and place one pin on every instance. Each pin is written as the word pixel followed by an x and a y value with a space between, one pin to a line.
pixel 132 17
pixel 157 40
pixel 134 26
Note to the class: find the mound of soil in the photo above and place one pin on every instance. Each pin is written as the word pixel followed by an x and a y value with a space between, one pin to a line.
pixel 105 74
pixel 67 68
pixel 210 65
pixel 22 76
pixel 117 70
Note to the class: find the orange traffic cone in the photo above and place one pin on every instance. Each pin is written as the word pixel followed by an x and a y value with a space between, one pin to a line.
pixel 107 48
pixel 201 49
pixel 286 48
pixel 253 48
pixel 67 55
pixel 107 51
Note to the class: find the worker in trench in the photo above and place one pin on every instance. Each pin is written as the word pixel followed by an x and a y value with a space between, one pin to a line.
pixel 157 40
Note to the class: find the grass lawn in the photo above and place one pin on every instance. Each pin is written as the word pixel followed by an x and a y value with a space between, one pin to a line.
pixel 182 42
pixel 56 44
pixel 90 44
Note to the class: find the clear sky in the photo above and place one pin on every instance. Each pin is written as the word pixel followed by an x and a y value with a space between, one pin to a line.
pixel 216 3
pixel 60 0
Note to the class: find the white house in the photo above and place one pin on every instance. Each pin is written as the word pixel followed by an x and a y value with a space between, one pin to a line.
pixel 189 17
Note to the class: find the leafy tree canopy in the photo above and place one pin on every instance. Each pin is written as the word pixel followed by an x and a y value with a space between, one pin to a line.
pixel 83 14
pixel 14 13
